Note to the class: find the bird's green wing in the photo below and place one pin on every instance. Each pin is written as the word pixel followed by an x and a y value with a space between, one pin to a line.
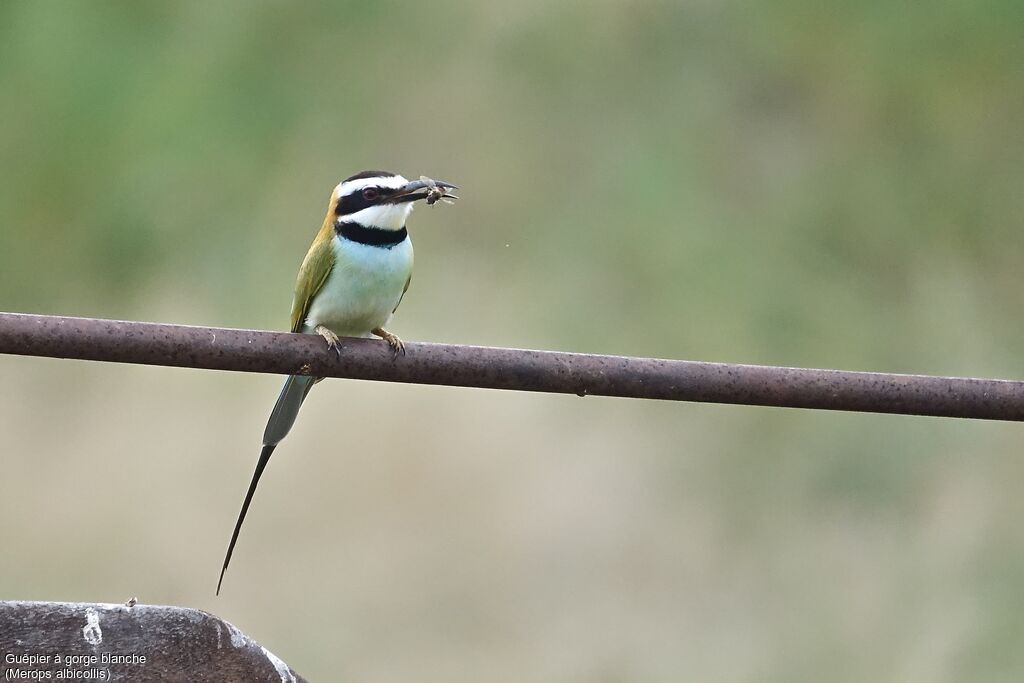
pixel 313 274
pixel 404 290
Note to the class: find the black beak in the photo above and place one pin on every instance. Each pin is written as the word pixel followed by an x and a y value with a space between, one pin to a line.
pixel 422 189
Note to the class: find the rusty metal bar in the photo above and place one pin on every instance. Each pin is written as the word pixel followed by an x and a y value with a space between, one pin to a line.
pixel 128 642
pixel 516 369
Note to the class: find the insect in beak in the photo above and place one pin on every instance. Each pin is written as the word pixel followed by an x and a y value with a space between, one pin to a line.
pixel 424 188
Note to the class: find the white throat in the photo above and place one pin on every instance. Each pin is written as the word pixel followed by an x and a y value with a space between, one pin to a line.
pixel 382 216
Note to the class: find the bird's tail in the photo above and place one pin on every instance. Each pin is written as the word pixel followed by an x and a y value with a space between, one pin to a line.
pixel 293 393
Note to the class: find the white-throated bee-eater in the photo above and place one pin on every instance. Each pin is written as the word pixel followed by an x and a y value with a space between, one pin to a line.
pixel 350 283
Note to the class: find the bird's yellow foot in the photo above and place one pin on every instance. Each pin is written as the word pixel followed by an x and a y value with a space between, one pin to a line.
pixel 396 344
pixel 332 339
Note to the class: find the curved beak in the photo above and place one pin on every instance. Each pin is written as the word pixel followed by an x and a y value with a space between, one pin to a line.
pixel 423 189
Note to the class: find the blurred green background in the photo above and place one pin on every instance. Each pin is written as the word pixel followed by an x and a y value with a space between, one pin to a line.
pixel 797 183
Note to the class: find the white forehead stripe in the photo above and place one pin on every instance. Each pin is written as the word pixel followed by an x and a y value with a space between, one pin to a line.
pixel 349 186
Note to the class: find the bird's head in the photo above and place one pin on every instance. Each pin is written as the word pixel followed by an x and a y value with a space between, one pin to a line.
pixel 381 199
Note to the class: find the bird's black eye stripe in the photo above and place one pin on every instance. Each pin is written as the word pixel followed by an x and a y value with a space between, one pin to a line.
pixel 355 201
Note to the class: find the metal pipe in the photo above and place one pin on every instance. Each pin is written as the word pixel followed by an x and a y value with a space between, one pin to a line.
pixel 517 369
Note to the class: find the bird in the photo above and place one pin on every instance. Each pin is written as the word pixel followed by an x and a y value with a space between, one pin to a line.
pixel 350 283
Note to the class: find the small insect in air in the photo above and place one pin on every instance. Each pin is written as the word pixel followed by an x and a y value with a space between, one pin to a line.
pixel 435 193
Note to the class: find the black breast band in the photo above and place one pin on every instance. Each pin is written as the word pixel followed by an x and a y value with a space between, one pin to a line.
pixel 374 237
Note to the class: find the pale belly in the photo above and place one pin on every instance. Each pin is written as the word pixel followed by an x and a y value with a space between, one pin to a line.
pixel 362 290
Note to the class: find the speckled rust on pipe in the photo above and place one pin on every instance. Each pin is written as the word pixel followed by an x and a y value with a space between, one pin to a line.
pixel 516 369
